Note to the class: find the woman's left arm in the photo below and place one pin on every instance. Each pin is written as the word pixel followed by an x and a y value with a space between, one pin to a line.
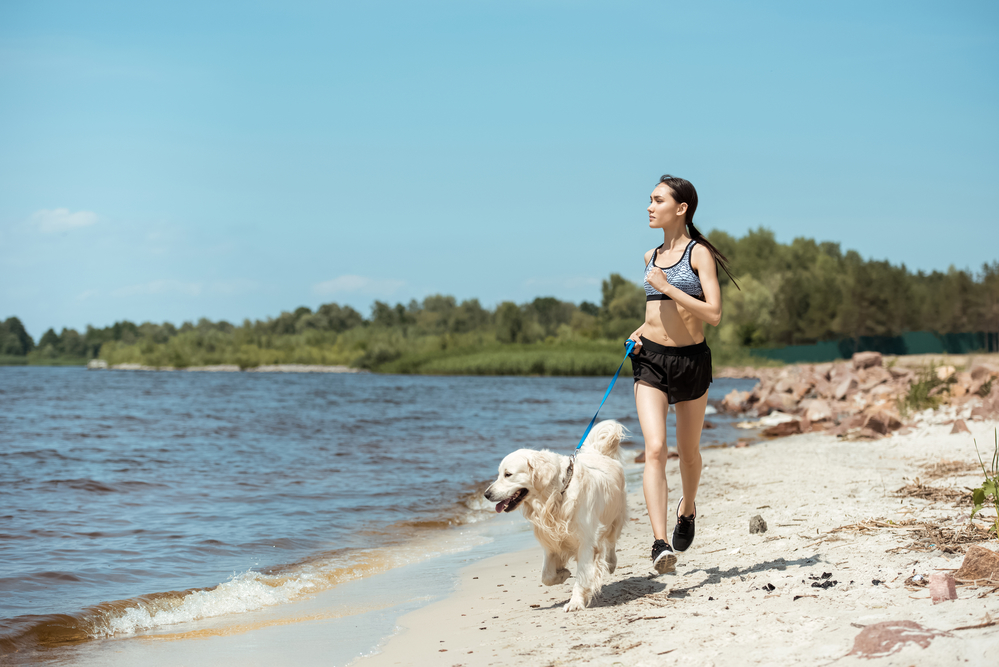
pixel 709 310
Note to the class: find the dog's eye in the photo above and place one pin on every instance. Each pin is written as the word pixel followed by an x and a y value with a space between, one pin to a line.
pixel 507 474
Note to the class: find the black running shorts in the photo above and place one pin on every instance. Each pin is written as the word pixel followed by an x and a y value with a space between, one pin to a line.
pixel 682 373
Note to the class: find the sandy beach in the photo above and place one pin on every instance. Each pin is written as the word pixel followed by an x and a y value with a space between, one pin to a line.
pixel 805 591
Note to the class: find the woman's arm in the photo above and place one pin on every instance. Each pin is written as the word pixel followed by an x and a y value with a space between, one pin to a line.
pixel 703 262
pixel 636 334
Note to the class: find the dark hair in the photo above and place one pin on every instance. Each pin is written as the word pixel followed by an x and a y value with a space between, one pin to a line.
pixel 684 193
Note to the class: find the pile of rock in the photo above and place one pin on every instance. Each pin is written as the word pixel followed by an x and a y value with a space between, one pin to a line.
pixel 859 398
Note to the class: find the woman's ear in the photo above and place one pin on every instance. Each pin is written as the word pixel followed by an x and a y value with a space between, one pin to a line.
pixel 681 209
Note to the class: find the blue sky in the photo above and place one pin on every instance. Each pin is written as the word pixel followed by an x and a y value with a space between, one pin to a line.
pixel 168 161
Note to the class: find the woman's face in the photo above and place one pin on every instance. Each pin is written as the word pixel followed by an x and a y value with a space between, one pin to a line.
pixel 663 209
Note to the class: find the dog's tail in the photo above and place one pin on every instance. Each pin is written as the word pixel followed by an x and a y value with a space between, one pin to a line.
pixel 606 438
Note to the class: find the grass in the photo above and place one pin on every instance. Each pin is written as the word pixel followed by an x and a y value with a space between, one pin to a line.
pixel 32 360
pixel 990 488
pixel 577 358
pixel 918 397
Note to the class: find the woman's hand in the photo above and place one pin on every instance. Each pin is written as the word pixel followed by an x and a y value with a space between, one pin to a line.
pixel 636 336
pixel 657 278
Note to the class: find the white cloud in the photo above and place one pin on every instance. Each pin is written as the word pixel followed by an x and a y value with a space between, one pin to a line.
pixel 159 287
pixel 234 287
pixel 61 220
pixel 357 284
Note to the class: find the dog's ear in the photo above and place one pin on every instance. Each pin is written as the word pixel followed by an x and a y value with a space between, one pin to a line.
pixel 542 470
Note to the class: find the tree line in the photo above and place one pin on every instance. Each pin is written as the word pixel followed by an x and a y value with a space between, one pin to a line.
pixel 796 293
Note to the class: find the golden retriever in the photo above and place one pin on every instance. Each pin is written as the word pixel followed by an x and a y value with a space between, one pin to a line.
pixel 584 522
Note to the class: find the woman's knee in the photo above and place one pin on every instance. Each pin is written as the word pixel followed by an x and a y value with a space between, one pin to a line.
pixel 655 451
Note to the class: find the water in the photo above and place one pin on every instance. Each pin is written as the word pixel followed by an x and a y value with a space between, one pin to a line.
pixel 130 501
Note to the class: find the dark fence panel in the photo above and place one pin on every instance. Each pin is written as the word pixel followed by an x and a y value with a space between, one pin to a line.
pixel 914 342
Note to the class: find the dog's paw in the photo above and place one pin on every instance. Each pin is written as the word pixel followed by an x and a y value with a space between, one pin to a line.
pixel 575 603
pixel 559 577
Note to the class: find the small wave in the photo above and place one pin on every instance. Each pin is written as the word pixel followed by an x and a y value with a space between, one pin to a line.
pixel 710 410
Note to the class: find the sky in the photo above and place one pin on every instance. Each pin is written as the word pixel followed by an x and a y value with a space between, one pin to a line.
pixel 166 161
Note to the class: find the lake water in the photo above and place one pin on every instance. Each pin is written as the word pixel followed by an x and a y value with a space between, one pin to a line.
pixel 130 501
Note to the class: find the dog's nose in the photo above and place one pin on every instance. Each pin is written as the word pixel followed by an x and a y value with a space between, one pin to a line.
pixel 488 493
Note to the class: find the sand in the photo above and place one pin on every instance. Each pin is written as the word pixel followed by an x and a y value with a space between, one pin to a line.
pixel 718 607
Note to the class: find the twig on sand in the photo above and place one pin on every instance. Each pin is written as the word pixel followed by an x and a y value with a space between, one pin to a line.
pixel 986 624
pixel 646 618
pixel 665 652
pixel 991 590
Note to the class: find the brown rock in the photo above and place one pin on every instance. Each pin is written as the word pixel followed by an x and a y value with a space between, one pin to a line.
pixel 872 377
pixel 823 388
pixel 980 564
pixel 735 401
pixel 867 434
pixel 882 422
pixel 757 525
pixel 942 587
pixel 959 427
pixel 782 402
pixel 845 386
pixel 816 409
pixel 640 458
pixel 897 372
pixel 783 429
pixel 866 359
pixel 982 412
pixel 980 372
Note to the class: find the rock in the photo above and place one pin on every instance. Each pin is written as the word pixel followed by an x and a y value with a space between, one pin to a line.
pixel 980 564
pixel 980 372
pixel 783 429
pixel 981 412
pixel 735 401
pixel 781 402
pixel 757 525
pixel 944 372
pixel 898 373
pixel 866 359
pixel 816 409
pixel 640 458
pixel 959 427
pixel 97 365
pixel 881 422
pixel 845 386
pixel 942 587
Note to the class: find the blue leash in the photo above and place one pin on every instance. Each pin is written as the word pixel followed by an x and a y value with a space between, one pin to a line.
pixel 628 347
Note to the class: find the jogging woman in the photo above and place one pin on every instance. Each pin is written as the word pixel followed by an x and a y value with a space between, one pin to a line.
pixel 672 363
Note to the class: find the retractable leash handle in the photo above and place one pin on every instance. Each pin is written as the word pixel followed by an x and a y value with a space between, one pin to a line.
pixel 628 347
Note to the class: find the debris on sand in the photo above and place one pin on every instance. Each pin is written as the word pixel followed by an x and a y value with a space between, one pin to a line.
pixel 757 525
pixel 883 639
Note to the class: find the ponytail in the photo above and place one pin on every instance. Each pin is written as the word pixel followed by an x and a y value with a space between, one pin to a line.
pixel 684 193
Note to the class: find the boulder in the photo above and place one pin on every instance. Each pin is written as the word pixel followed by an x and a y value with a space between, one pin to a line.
pixel 980 564
pixel 845 386
pixel 817 410
pixel 882 422
pixel 982 412
pixel 980 372
pixel 783 429
pixel 866 359
pixel 897 372
pixel 872 377
pixel 782 402
pixel 757 525
pixel 735 401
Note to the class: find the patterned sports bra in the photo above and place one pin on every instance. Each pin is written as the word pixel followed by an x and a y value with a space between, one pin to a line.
pixel 681 275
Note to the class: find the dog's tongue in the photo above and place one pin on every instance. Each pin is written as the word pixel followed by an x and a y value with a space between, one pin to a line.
pixel 500 506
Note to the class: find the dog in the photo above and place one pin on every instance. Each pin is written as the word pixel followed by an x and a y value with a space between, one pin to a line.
pixel 583 522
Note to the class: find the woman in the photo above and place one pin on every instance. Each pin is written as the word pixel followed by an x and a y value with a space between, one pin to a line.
pixel 672 363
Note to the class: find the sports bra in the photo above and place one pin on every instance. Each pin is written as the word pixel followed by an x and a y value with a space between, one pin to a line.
pixel 681 275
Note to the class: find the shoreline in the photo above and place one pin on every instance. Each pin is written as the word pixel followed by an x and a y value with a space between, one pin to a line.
pixel 833 530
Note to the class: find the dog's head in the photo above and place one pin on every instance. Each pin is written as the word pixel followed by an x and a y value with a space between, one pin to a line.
pixel 522 473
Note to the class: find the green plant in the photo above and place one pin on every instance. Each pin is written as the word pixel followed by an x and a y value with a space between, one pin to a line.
pixel 990 488
pixel 919 396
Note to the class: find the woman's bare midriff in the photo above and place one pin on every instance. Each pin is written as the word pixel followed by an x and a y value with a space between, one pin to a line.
pixel 671 325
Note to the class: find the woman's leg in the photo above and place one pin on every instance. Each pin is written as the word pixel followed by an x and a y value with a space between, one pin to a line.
pixel 652 405
pixel 689 422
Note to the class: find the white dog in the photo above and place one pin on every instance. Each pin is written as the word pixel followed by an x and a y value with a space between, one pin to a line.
pixel 584 522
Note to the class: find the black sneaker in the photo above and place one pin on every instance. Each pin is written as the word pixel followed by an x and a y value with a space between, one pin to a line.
pixel 663 558
pixel 683 532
